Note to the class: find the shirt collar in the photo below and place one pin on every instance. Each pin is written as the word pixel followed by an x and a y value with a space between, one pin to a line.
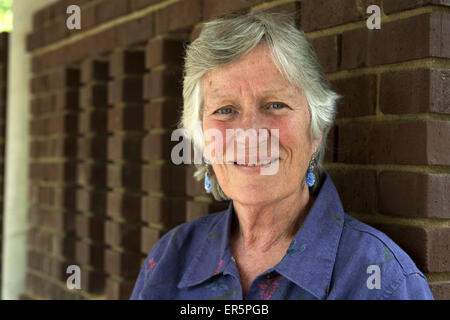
pixel 308 262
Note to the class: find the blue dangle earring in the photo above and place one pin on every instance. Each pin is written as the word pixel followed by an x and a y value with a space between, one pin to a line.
pixel 207 182
pixel 310 176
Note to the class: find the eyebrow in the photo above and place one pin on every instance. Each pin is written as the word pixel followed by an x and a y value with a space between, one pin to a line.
pixel 216 94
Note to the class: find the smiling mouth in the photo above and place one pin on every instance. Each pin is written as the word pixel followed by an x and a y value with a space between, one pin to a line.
pixel 255 164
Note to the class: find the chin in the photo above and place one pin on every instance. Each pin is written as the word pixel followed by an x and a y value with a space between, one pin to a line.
pixel 252 194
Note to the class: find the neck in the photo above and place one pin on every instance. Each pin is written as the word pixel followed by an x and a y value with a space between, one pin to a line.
pixel 262 227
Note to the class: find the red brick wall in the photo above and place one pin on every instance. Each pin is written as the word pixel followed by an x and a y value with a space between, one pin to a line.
pixel 106 97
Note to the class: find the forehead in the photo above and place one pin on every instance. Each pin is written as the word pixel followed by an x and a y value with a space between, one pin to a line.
pixel 255 71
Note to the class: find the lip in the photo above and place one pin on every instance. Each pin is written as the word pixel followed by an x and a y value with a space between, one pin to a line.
pixel 254 169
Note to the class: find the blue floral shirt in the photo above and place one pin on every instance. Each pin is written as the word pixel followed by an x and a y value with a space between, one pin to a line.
pixel 332 256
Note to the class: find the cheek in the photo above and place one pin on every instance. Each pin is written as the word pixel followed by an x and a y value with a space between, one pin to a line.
pixel 215 136
pixel 294 137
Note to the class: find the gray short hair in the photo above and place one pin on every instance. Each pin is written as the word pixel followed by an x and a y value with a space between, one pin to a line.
pixel 225 40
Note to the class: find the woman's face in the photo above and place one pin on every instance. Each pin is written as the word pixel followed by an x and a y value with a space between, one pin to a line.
pixel 252 94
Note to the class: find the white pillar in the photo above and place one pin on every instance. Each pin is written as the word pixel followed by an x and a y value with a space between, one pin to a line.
pixel 16 185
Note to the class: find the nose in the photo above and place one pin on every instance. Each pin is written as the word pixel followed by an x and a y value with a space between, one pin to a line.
pixel 252 118
pixel 251 134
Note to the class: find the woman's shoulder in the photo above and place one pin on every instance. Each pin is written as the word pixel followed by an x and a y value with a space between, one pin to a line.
pixel 372 243
pixel 377 262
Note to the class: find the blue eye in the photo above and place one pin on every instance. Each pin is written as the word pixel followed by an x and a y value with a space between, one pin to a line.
pixel 277 105
pixel 226 110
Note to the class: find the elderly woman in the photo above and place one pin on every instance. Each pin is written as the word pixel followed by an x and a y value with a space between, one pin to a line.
pixel 284 235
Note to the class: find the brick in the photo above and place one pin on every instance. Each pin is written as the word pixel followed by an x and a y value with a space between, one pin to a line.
pixel 136 31
pixel 91 254
pixel 56 31
pixel 146 86
pixel 162 83
pixel 327 49
pixel 119 290
pixel 163 179
pixel 94 147
pixel 401 5
pixel 58 148
pixel 167 212
pixel 89 15
pixel 43 104
pixel 128 90
pixel 39 127
pixel 125 235
pixel 196 209
pixel 188 14
pixel 195 32
pixel 104 41
pixel 38 106
pixel 427 246
pixel 414 195
pixel 122 264
pixel 127 118
pixel 40 84
pixel 140 4
pixel 157 147
pixel 124 206
pixel 93 281
pixel 213 8
pixel 94 70
pixel 66 123
pixel 93 201
pixel 331 146
pixel 90 227
pixel 120 147
pixel 426 91
pixel 93 121
pixel 49 59
pixel 56 221
pixel 64 77
pixel 440 290
pixel 392 43
pixel 149 238
pixel 416 142
pixel 52 243
pixel 75 51
pixel 126 62
pixel 34 171
pixel 359 195
pixel 328 13
pixel 126 176
pixel 108 10
pixel 65 100
pixel 49 290
pixel 39 262
pixel 438 143
pixel 193 187
pixel 359 95
pixel 91 174
pixel 164 51
pixel 64 197
pixel 93 95
pixel 59 172
pixel 34 191
pixel 162 114
pixel 288 8
pixel 47 265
